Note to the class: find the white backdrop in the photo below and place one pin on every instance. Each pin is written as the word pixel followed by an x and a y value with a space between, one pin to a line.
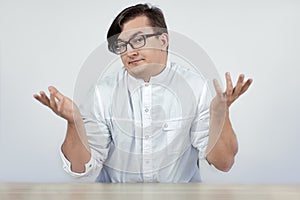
pixel 46 42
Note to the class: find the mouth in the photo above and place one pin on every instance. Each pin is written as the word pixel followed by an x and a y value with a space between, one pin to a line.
pixel 135 62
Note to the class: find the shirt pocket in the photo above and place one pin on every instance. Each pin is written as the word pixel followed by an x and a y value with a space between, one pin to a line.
pixel 177 135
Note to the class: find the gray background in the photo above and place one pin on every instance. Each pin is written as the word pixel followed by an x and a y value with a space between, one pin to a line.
pixel 46 42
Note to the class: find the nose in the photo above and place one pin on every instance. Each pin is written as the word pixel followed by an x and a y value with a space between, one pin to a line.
pixel 131 51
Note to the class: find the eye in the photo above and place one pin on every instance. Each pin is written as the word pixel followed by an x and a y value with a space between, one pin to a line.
pixel 137 40
pixel 118 46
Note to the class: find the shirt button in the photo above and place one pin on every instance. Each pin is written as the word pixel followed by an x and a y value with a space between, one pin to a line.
pixel 166 126
pixel 146 110
pixel 147 84
pixel 147 137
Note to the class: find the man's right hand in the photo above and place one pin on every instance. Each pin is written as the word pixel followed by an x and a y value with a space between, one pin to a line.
pixel 58 103
pixel 75 146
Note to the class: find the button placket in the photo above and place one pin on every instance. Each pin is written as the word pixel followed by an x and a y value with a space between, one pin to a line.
pixel 147 143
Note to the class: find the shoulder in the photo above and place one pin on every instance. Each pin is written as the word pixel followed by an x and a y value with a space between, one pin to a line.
pixel 189 74
pixel 105 86
pixel 109 81
pixel 112 78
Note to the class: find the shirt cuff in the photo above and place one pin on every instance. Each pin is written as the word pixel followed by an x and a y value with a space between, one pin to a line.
pixel 90 166
pixel 202 150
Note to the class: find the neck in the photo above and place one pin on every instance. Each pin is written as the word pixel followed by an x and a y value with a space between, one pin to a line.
pixel 150 70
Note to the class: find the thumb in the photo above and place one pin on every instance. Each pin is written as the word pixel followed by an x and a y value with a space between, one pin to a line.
pixel 217 87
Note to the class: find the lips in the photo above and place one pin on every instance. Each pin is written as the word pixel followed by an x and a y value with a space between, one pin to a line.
pixel 134 62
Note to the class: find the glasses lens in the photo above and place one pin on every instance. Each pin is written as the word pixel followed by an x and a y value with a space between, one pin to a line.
pixel 137 42
pixel 119 47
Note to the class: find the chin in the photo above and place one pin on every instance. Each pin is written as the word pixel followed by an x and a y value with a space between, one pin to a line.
pixel 138 71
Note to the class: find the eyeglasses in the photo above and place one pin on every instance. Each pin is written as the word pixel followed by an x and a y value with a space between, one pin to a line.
pixel 136 42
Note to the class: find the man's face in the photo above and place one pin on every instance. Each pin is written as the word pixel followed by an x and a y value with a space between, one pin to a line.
pixel 148 60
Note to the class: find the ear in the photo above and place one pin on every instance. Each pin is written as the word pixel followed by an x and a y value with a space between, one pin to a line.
pixel 164 38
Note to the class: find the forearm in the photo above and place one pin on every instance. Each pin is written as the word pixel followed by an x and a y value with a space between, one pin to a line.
pixel 75 146
pixel 225 148
pixel 222 143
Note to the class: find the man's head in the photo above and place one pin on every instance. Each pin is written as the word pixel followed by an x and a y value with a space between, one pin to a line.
pixel 154 15
pixel 139 34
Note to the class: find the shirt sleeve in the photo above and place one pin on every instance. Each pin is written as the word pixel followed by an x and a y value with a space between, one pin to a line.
pixel 90 167
pixel 200 124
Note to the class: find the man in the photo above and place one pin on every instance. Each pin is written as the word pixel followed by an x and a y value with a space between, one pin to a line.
pixel 149 122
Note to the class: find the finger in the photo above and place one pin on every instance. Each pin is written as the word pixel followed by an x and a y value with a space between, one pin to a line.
pixel 246 86
pixel 38 97
pixel 239 84
pixel 60 105
pixel 42 93
pixel 42 98
pixel 56 93
pixel 52 102
pixel 229 87
pixel 217 87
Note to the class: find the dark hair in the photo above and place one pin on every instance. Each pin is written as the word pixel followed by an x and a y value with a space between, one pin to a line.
pixel 153 13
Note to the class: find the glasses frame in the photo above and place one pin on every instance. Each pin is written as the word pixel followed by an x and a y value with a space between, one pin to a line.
pixel 144 36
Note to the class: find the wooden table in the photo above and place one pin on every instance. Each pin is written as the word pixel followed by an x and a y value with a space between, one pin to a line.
pixel 156 191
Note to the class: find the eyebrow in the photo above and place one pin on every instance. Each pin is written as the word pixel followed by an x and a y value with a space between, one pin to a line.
pixel 132 36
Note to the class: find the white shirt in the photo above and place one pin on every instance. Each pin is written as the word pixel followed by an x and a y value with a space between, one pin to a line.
pixel 152 131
